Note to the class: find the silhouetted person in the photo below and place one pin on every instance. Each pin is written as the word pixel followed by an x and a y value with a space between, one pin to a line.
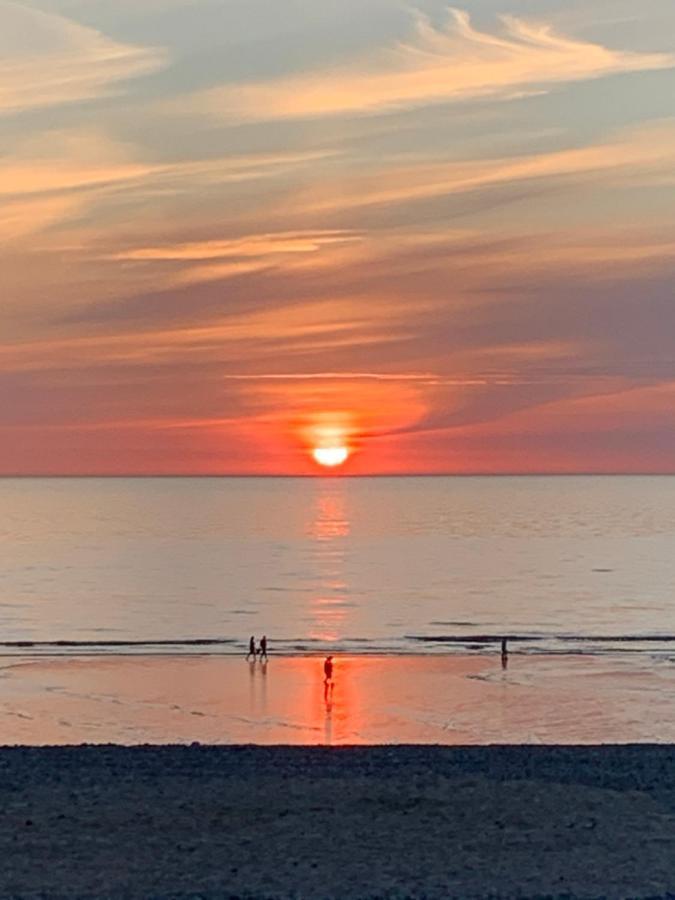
pixel 328 679
pixel 251 648
pixel 505 654
pixel 328 670
pixel 263 648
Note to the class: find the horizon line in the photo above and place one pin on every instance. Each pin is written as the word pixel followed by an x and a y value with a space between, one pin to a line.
pixel 337 475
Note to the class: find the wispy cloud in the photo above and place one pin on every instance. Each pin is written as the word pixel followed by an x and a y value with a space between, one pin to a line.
pixel 48 180
pixel 287 332
pixel 67 162
pixel 48 60
pixel 644 153
pixel 253 245
pixel 424 377
pixel 220 259
pixel 25 217
pixel 438 65
pixel 52 177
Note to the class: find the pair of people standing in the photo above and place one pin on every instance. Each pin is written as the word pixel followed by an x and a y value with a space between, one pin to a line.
pixel 253 652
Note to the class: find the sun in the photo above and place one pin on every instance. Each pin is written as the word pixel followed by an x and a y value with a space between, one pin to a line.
pixel 330 456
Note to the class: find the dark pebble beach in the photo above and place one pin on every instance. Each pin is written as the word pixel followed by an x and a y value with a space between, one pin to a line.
pixel 348 822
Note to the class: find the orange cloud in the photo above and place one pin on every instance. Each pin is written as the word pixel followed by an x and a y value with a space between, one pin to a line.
pixel 49 60
pixel 317 326
pixel 49 180
pixel 25 217
pixel 251 245
pixel 236 256
pixel 299 415
pixel 73 170
pixel 439 65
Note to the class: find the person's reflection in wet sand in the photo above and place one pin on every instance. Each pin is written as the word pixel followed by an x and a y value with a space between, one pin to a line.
pixel 263 687
pixel 251 683
pixel 328 686
pixel 257 687
pixel 328 722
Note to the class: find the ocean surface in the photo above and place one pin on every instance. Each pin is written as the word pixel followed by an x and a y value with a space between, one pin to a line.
pixel 361 565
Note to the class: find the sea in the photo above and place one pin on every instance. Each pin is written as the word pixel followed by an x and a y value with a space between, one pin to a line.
pixel 382 565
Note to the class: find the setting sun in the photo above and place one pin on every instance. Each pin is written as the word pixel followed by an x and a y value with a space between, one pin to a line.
pixel 330 456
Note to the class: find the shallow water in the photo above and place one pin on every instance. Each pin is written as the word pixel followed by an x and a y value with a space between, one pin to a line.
pixel 362 565
pixel 451 699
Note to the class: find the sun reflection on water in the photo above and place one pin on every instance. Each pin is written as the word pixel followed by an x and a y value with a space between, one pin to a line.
pixel 329 520
pixel 329 526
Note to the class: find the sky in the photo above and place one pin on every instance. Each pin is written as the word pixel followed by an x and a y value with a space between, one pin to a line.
pixel 235 231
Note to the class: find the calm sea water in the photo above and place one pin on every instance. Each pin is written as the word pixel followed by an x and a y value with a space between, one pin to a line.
pixel 418 565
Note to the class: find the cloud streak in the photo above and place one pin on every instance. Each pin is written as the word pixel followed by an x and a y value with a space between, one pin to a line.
pixel 51 178
pixel 452 63
pixel 228 258
pixel 647 153
pixel 257 245
pixel 48 60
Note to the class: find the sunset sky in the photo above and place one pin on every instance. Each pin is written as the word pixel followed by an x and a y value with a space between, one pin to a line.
pixel 233 230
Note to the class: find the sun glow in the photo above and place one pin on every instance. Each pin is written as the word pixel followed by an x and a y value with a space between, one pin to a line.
pixel 330 456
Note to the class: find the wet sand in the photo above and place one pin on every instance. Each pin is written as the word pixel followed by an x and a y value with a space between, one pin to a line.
pixel 406 821
pixel 376 700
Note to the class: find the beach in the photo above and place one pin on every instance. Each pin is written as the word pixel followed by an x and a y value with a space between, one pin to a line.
pixel 382 821
pixel 204 776
pixel 618 697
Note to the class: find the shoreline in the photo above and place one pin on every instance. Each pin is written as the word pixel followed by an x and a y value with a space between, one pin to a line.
pixel 378 821
pixel 433 699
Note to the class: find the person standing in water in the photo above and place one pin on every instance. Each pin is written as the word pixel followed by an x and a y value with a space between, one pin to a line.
pixel 263 648
pixel 505 654
pixel 251 649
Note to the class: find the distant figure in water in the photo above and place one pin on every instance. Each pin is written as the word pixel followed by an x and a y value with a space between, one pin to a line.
pixel 251 648
pixel 263 648
pixel 505 654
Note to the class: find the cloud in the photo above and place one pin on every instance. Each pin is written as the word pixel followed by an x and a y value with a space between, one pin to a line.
pixel 227 258
pixel 438 65
pixel 287 332
pixel 29 216
pixel 252 245
pixel 591 253
pixel 647 153
pixel 48 180
pixel 60 174
pixel 48 60
pixel 68 162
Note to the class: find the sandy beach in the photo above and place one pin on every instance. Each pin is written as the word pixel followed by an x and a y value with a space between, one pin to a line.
pixel 404 821
pixel 619 698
